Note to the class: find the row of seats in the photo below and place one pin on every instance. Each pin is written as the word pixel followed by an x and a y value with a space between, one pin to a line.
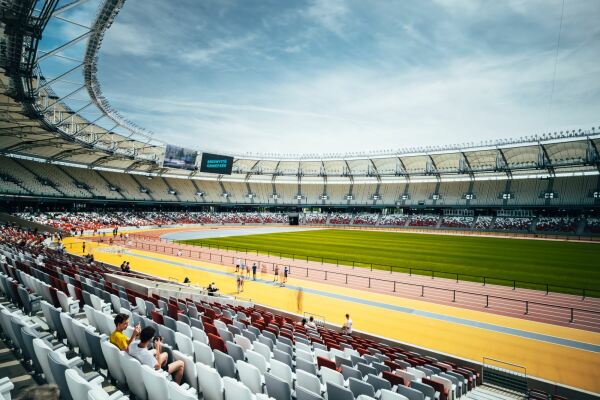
pixel 226 344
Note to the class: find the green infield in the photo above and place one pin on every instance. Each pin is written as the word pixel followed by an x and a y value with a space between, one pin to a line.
pixel 564 266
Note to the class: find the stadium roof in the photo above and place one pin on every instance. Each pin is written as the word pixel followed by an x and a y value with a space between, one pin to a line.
pixel 37 122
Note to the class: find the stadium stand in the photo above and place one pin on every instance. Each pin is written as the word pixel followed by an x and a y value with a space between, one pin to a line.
pixel 457 222
pixel 228 347
pixel 556 224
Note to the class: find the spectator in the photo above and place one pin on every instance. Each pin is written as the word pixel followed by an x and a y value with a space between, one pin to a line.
pixel 118 338
pixel 254 271
pixel 155 358
pixel 311 323
pixel 187 280
pixel 347 327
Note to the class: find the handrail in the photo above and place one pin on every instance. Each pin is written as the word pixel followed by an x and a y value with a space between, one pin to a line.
pixel 514 283
pixel 572 311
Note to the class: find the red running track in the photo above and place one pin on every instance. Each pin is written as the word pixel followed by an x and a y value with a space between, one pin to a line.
pixel 554 308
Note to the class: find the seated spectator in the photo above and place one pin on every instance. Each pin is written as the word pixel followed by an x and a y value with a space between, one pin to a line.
pixel 212 289
pixel 155 358
pixel 311 323
pixel 118 338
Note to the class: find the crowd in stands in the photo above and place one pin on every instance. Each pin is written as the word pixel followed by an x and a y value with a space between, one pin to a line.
pixel 365 219
pixel 74 222
pixel 556 224
pixel 483 223
pixel 91 221
pixel 592 225
pixel 274 218
pixel 394 220
pixel 315 218
pixel 457 222
pixel 512 223
pixel 340 218
pixel 424 220
pixel 215 346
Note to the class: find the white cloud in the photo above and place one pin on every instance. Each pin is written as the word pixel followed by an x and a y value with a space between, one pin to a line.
pixel 330 14
pixel 207 54
pixel 127 39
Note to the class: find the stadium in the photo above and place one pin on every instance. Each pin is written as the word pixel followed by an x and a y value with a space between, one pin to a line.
pixel 433 271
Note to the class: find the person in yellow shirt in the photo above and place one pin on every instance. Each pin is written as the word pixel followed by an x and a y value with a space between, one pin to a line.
pixel 118 338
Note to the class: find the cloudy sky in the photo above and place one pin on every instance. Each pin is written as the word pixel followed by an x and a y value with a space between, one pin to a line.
pixel 322 76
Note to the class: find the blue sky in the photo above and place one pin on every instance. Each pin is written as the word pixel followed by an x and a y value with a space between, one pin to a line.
pixel 321 76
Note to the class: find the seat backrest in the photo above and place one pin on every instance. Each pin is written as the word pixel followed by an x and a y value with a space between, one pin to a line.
pixel 257 360
pixel 210 382
pixel 396 378
pixel 133 374
pixel 199 335
pixel 189 370
pixel 184 343
pixel 28 334
pixel 277 388
pixel 389 395
pixel 41 350
pixel 168 335
pixel 304 365
pixel 282 371
pixel 283 356
pixel 351 372
pixel 338 392
pixel 216 343
pixel 410 393
pixel 67 323
pixel 156 383
pixel 243 342
pixel 378 383
pixel 235 351
pixel 236 390
pixel 304 394
pixel 266 341
pixel 203 353
pixel 78 387
pixel 224 364
pixel 93 340
pixel 111 355
pixel 359 387
pixel 178 392
pixel 249 375
pixel 308 381
pixel 329 375
pixel 184 328
pixel 262 349
pixel 58 367
pixel 427 390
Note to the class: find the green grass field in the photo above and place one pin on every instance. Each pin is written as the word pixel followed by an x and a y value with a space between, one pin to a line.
pixel 560 264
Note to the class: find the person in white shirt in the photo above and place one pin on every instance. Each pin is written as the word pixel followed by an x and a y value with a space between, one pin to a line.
pixel 347 327
pixel 155 358
pixel 311 323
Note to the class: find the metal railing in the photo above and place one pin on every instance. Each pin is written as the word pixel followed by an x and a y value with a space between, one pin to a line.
pixel 528 307
pixel 483 279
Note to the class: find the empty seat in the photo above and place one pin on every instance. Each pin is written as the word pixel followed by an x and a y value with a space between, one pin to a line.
pixel 309 382
pixel 277 388
pixel 224 364
pixel 359 387
pixel 210 382
pixel 250 376
pixel 338 392
pixel 133 374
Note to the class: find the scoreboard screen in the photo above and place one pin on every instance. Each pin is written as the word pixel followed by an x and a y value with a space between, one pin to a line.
pixel 216 164
pixel 178 157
